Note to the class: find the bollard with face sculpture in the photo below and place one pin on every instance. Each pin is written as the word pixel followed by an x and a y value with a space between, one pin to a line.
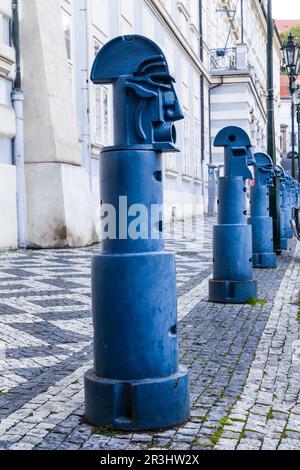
pixel 145 101
pixel 260 220
pixel 232 238
pixel 136 382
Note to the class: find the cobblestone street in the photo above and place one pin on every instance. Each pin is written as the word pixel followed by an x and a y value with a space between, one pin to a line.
pixel 244 360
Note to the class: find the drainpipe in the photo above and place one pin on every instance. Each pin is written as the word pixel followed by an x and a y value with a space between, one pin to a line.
pixel 85 133
pixel 202 113
pixel 242 21
pixel 18 144
pixel 209 106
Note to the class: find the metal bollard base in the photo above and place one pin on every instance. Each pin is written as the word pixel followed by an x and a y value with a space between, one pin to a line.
pixel 138 404
pixel 232 292
pixel 136 382
pixel 264 260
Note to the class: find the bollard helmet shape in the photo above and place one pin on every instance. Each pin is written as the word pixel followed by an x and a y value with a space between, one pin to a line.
pixel 238 154
pixel 264 169
pixel 145 102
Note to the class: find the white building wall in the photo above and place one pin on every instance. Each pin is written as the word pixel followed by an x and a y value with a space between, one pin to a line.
pixel 184 172
pixel 77 116
pixel 59 210
pixel 8 209
pixel 285 120
pixel 240 98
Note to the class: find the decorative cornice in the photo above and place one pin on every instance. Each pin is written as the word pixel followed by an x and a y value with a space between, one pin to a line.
pixel 198 181
pixel 172 174
pixel 7 59
pixel 163 15
pixel 181 7
pixel 245 78
pixel 186 178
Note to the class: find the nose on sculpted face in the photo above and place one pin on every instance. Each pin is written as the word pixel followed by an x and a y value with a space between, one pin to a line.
pixel 172 107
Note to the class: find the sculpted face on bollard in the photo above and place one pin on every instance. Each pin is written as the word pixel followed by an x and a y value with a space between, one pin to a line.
pixel 238 153
pixel 145 102
pixel 155 106
pixel 264 169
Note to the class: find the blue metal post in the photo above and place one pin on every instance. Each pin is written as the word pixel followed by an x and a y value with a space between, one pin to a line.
pixel 232 238
pixel 260 220
pixel 279 172
pixel 136 382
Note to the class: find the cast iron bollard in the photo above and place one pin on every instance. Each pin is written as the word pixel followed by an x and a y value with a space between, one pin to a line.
pixel 262 224
pixel 279 172
pixel 232 239
pixel 289 204
pixel 296 212
pixel 136 383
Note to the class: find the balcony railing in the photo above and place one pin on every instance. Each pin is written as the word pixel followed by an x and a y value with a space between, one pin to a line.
pixel 223 59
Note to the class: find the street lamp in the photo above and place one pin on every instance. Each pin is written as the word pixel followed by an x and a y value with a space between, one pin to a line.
pixel 291 59
pixel 291 55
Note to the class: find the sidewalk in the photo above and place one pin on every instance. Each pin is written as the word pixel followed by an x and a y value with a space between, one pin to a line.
pixel 244 360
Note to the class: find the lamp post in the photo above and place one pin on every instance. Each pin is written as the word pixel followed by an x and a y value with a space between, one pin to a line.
pixel 297 105
pixel 291 59
pixel 275 189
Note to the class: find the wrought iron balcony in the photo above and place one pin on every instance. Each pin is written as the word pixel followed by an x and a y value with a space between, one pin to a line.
pixel 223 60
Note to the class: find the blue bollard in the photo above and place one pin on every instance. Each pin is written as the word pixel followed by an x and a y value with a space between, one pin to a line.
pixel 279 172
pixel 232 238
pixel 260 220
pixel 289 205
pixel 136 383
pixel 296 211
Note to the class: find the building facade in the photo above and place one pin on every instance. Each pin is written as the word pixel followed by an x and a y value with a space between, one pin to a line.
pixel 8 207
pixel 67 119
pixel 236 48
pixel 285 115
pixel 175 26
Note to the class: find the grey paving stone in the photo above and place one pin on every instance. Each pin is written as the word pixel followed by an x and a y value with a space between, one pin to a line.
pixel 239 356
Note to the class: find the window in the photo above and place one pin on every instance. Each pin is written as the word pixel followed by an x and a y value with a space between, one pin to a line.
pixel 5 91
pixel 186 141
pixel 197 149
pixel 5 151
pixel 102 115
pixel 67 25
pixel 170 161
pixel 102 108
pixel 6 30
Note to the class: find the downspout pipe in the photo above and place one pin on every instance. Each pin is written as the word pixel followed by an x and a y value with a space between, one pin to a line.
pixel 210 116
pixel 85 132
pixel 18 143
pixel 202 112
pixel 202 81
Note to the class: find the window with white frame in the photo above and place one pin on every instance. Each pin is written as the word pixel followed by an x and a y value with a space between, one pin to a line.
pixel 6 30
pixel 171 161
pixel 197 147
pixel 102 115
pixel 67 27
pixel 185 107
pixel 186 144
pixel 5 91
pixel 102 108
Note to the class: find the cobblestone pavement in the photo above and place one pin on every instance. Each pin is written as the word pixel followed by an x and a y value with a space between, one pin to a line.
pixel 244 361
